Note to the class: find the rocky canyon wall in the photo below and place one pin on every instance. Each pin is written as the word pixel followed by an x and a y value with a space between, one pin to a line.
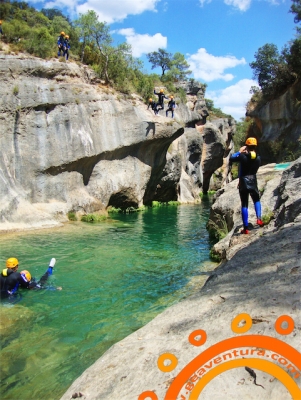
pixel 68 143
pixel 279 126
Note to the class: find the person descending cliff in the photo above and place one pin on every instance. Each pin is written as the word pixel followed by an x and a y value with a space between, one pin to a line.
pixel 171 106
pixel 60 44
pixel 66 47
pixel 153 106
pixel 161 97
pixel 249 163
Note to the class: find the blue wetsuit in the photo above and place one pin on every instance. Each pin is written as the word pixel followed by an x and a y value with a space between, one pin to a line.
pixel 171 107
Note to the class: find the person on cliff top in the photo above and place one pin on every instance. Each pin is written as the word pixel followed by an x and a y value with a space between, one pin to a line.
pixel 153 106
pixel 60 44
pixel 249 163
pixel 66 47
pixel 11 279
pixel 171 107
pixel 161 97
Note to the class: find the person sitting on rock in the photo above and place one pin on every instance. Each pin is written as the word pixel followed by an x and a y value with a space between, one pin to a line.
pixel 153 106
pixel 60 44
pixel 249 163
pixel 171 107
pixel 161 97
pixel 66 47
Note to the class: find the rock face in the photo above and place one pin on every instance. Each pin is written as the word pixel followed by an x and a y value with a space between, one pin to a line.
pixel 279 126
pixel 262 278
pixel 68 143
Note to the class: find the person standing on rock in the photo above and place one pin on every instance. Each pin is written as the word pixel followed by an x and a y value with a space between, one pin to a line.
pixel 153 106
pixel 66 47
pixel 171 107
pixel 161 97
pixel 60 44
pixel 249 162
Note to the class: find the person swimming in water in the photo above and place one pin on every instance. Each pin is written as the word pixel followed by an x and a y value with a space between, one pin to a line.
pixel 11 279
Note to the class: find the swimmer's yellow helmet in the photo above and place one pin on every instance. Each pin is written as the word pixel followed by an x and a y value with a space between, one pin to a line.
pixel 67 36
pixel 251 141
pixel 161 90
pixel 63 33
pixel 171 97
pixel 12 262
pixel 150 100
pixel 26 275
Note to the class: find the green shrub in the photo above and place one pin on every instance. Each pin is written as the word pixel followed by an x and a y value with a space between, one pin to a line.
pixel 219 229
pixel 16 90
pixel 209 193
pixel 113 210
pixel 93 218
pixel 214 256
pixel 234 171
pixel 40 43
pixel 267 216
pixel 72 216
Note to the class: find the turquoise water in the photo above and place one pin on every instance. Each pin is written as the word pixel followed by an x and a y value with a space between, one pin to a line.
pixel 280 167
pixel 115 277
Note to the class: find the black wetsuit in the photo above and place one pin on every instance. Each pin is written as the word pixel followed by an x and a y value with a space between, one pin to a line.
pixel 14 280
pixel 171 107
pixel 248 183
pixel 161 97
pixel 153 106
pixel 10 283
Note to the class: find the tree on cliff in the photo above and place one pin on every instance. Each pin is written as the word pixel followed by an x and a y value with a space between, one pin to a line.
pixel 274 71
pixel 176 65
pixel 179 68
pixel 96 36
pixel 161 59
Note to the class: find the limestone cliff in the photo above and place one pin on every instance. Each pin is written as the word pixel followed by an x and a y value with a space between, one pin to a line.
pixel 69 143
pixel 279 126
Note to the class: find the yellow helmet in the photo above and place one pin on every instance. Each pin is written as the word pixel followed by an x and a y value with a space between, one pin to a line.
pixel 26 275
pixel 12 262
pixel 171 97
pixel 150 99
pixel 161 90
pixel 63 33
pixel 67 36
pixel 251 141
pixel 0 21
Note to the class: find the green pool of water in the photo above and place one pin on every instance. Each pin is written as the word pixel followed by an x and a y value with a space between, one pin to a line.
pixel 115 277
pixel 280 167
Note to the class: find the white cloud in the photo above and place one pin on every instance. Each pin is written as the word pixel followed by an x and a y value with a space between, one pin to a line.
pixel 143 43
pixel 242 5
pixel 117 10
pixel 233 99
pixel 209 68
pixel 204 1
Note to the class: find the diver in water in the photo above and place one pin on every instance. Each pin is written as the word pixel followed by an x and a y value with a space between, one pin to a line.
pixel 11 280
pixel 249 163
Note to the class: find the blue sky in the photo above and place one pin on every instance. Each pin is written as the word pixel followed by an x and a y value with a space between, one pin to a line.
pixel 218 37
